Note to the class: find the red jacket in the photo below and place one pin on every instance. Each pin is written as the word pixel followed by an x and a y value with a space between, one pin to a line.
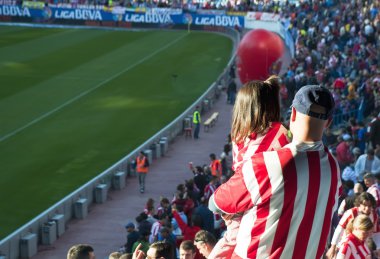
pixel 187 231
pixel 343 153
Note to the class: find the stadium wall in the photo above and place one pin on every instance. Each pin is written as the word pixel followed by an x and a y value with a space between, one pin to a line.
pixel 24 241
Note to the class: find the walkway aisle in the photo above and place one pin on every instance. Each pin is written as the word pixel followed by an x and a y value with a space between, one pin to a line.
pixel 104 226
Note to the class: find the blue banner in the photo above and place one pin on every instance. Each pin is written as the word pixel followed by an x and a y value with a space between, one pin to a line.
pixel 81 14
pixel 150 16
pixel 17 10
pixel 214 20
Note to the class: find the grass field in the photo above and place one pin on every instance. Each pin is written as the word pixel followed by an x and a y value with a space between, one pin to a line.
pixel 73 102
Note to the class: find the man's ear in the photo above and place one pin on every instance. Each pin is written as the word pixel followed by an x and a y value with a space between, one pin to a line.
pixel 293 114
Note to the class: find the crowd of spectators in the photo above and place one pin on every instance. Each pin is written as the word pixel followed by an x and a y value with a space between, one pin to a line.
pixel 337 47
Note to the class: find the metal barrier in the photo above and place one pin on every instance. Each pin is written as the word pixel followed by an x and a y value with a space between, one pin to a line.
pixel 10 246
pixel 342 118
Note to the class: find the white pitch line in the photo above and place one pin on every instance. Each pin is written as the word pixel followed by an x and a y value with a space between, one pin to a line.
pixel 43 116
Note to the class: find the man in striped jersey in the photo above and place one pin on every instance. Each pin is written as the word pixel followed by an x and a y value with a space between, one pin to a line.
pixel 370 183
pixel 210 187
pixel 287 196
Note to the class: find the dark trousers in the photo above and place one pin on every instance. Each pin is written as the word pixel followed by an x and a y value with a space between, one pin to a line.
pixel 142 180
pixel 196 130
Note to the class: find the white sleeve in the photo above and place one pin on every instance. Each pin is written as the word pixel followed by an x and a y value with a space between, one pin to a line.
pixel 357 167
pixel 340 256
pixel 341 208
pixel 337 235
pixel 376 166
pixel 373 192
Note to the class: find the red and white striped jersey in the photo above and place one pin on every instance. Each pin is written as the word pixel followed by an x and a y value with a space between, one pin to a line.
pixel 154 231
pixel 209 190
pixel 353 213
pixel 288 198
pixel 348 215
pixel 375 192
pixel 353 248
pixel 274 139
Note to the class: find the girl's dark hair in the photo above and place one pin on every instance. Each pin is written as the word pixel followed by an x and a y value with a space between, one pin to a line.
pixel 365 196
pixel 350 202
pixel 141 217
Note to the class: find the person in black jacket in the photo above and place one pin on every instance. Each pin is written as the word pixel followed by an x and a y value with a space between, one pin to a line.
pixel 132 237
pixel 144 225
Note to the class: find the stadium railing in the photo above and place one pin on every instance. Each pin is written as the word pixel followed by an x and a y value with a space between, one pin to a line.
pixel 342 118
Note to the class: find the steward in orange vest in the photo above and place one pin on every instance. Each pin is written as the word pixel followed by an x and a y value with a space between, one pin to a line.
pixel 142 167
pixel 215 166
pixel 142 163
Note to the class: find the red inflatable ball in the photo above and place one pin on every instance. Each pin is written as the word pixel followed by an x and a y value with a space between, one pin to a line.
pixel 257 54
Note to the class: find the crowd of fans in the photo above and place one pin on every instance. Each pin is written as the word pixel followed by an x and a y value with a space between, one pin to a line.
pixel 337 46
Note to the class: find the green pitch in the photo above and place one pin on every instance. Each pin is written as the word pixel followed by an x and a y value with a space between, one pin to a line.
pixel 73 102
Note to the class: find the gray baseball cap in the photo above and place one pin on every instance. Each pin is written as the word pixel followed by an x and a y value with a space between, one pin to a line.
pixel 317 95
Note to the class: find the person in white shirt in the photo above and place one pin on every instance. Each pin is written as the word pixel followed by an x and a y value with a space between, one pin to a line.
pixel 367 163
pixel 348 174
pixel 368 29
pixel 370 183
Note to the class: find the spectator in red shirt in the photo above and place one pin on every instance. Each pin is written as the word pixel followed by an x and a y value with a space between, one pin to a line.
pixel 188 231
pixel 343 152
